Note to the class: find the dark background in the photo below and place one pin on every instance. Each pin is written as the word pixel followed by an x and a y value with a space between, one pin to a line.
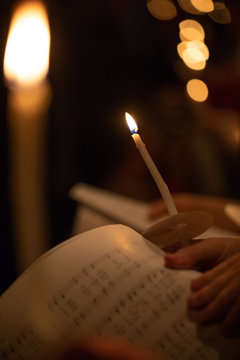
pixel 112 56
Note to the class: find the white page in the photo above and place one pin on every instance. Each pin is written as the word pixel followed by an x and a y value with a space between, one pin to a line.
pixel 112 207
pixel 109 280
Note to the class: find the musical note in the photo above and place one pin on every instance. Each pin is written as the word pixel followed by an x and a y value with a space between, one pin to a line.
pixel 26 344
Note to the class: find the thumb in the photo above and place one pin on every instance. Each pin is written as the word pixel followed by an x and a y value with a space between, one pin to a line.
pixel 202 253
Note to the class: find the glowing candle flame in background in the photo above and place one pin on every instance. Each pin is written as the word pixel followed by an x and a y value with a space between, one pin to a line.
pixel 194 53
pixel 192 50
pixel 191 30
pixel 162 9
pixel 26 60
pixel 204 6
pixel 221 13
pixel 187 6
pixel 197 90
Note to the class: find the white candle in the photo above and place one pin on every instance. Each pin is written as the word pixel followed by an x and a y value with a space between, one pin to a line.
pixel 171 207
pixel 25 68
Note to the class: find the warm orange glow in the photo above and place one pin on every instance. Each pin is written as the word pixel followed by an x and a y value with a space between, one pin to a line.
pixel 221 13
pixel 191 30
pixel 203 5
pixel 197 90
pixel 197 50
pixel 162 9
pixel 181 47
pixel 198 65
pixel 187 6
pixel 193 51
pixel 131 123
pixel 26 60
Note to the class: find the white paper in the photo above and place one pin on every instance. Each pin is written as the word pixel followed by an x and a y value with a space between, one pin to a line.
pixel 100 207
pixel 106 281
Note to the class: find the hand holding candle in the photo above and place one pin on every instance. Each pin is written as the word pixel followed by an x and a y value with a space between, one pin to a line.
pixel 177 228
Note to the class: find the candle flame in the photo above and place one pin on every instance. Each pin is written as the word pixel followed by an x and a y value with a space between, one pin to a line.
pixel 26 59
pixel 131 123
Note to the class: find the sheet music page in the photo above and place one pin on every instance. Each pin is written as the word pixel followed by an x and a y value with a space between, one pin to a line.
pixel 106 281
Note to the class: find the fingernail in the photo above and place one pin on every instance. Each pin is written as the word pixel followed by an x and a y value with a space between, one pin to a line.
pixel 177 259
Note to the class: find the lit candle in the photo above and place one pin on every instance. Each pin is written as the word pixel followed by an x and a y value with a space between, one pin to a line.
pixel 26 63
pixel 171 207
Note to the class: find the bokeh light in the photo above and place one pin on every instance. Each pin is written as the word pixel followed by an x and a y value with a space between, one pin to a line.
pixel 187 6
pixel 221 13
pixel 197 50
pixel 162 9
pixel 197 90
pixel 26 60
pixel 191 30
pixel 198 65
pixel 204 6
pixel 193 53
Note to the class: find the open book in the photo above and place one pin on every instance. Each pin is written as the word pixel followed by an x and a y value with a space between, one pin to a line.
pixel 109 280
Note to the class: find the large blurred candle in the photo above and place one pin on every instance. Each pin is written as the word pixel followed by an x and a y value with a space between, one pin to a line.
pixel 26 64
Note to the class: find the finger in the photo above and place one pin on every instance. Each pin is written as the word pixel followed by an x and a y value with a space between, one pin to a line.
pixel 201 253
pixel 205 295
pixel 232 264
pixel 201 297
pixel 231 324
pixel 217 309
